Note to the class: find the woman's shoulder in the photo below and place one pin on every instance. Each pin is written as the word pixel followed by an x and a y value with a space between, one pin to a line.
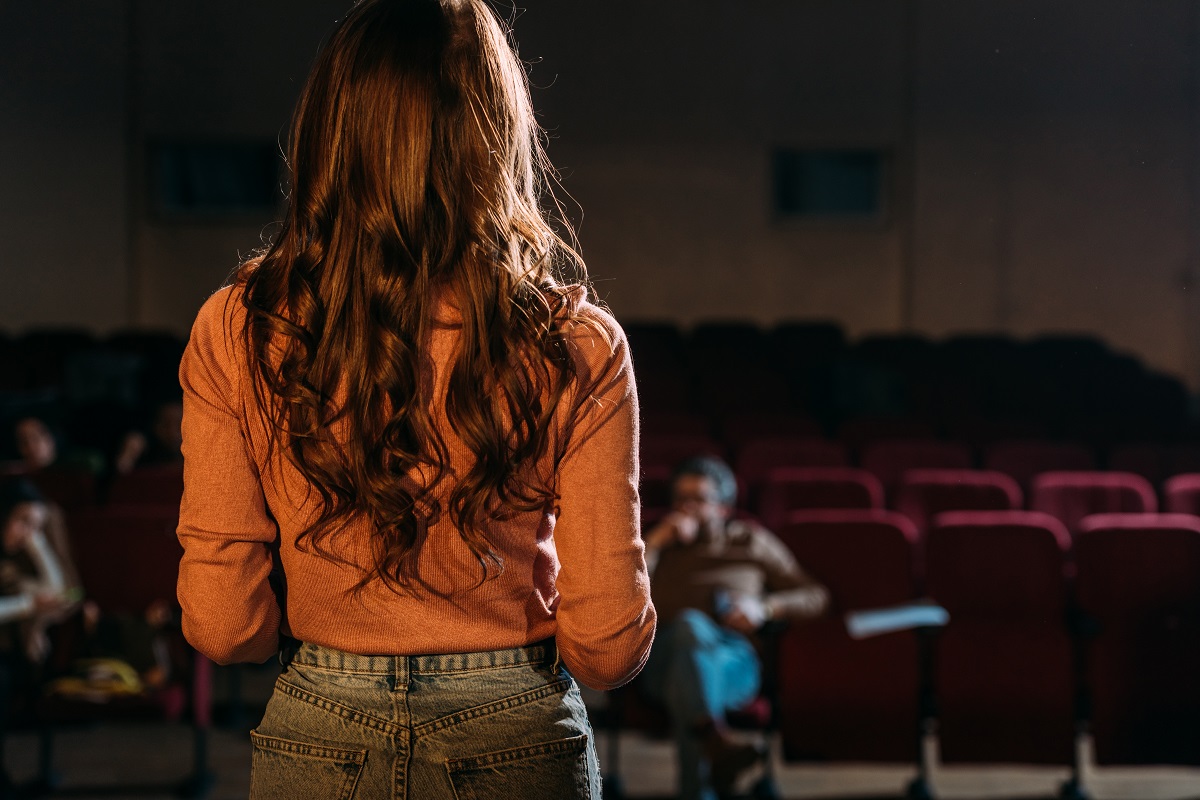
pixel 220 318
pixel 594 333
pixel 224 306
pixel 216 343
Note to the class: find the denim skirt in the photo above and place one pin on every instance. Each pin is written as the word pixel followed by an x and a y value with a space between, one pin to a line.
pixel 507 724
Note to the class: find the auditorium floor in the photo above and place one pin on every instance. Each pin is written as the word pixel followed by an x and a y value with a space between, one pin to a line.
pixel 154 756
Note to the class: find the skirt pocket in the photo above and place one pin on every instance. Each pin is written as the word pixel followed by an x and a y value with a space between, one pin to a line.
pixel 556 770
pixel 280 768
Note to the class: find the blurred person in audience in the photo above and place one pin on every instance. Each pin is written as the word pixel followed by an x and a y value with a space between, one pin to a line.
pixel 40 447
pixel 39 585
pixel 36 443
pixel 161 444
pixel 122 653
pixel 38 588
pixel 716 582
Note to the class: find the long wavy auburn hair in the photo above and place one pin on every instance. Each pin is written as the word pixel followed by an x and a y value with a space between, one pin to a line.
pixel 417 173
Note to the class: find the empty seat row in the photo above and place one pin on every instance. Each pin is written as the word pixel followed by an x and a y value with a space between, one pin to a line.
pixel 1032 647
pixel 920 495
pixel 888 459
pixel 1062 384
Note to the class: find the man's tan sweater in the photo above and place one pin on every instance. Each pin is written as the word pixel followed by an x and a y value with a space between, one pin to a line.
pixel 741 559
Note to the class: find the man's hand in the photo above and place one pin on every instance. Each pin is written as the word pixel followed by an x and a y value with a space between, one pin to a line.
pixel 132 448
pixel 746 615
pixel 675 528
pixel 49 602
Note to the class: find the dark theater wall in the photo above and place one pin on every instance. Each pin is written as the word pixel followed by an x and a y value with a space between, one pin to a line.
pixel 1056 182
pixel 221 70
pixel 64 257
pixel 1042 157
pixel 667 114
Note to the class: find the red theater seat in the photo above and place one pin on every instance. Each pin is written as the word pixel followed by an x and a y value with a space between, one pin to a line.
pixel 891 459
pixel 1156 462
pixel 1003 667
pixel 789 489
pixel 1181 494
pixel 841 699
pixel 1138 581
pixel 924 493
pixel 757 457
pixel 1071 496
pixel 1024 458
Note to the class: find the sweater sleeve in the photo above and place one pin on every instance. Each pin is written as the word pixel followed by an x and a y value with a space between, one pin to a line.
pixel 230 613
pixel 791 591
pixel 605 618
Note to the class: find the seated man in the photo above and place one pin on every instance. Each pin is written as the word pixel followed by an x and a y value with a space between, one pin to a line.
pixel 715 582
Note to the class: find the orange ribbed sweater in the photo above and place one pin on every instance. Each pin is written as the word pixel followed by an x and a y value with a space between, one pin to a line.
pixel 579 576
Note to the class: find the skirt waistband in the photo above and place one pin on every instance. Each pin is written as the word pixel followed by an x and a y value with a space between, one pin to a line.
pixel 315 655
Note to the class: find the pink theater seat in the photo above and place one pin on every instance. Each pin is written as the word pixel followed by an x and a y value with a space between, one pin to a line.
pixel 1181 494
pixel 1071 496
pixel 841 699
pixel 1024 458
pixel 924 493
pixel 758 457
pixel 1138 582
pixel 1003 668
pixel 889 460
pixel 1156 462
pixel 789 489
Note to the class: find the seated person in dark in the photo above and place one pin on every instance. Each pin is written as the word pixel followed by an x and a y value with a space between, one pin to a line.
pixel 39 445
pixel 38 588
pixel 161 443
pixel 65 476
pixel 715 581
pixel 36 443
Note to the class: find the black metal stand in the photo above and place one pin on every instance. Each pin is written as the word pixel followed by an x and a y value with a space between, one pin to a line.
pixel 1083 629
pixel 48 778
pixel 200 783
pixel 612 787
pixel 920 788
